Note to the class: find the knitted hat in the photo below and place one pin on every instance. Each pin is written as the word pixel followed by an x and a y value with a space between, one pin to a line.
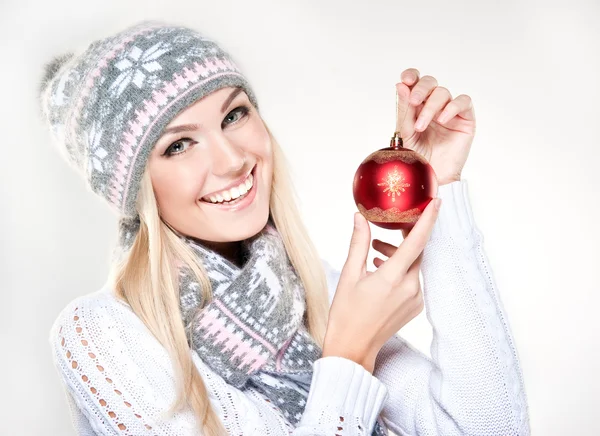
pixel 107 106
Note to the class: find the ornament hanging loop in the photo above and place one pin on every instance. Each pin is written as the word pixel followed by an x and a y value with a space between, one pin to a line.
pixel 396 141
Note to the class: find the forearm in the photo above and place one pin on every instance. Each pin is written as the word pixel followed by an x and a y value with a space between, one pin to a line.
pixel 474 383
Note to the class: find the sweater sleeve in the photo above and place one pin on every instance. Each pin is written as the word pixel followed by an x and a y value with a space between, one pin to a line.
pixel 119 381
pixel 344 399
pixel 116 374
pixel 473 385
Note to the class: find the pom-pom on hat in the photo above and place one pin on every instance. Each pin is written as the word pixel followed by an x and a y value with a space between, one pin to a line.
pixel 107 106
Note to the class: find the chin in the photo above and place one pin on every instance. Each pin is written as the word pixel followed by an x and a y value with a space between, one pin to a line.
pixel 250 226
pixel 232 226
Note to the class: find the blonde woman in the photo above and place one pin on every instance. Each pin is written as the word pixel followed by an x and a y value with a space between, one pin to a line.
pixel 219 316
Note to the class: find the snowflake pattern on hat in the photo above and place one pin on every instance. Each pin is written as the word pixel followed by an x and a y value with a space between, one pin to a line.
pixel 107 106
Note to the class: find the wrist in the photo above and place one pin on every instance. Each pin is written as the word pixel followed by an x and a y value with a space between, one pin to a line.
pixel 361 358
pixel 449 180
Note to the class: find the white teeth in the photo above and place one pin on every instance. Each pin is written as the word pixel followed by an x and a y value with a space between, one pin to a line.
pixel 232 193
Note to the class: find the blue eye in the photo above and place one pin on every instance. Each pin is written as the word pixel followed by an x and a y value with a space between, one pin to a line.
pixel 170 151
pixel 178 146
pixel 242 110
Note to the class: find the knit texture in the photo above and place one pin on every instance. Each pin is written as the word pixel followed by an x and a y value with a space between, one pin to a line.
pixel 252 332
pixel 107 106
pixel 118 378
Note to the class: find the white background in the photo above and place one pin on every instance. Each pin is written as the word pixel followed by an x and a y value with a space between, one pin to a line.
pixel 325 73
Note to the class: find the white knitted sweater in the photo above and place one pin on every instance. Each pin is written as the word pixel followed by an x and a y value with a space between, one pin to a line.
pixel 118 378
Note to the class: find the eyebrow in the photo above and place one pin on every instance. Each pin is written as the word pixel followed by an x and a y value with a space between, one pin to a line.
pixel 190 127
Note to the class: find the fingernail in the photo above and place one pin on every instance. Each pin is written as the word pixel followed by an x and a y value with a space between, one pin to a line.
pixel 420 124
pixel 437 203
pixel 356 222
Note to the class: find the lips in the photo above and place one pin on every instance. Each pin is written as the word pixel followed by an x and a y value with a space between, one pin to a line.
pixel 231 185
pixel 241 203
pixel 235 184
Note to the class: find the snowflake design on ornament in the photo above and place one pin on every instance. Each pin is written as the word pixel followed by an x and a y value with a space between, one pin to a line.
pixel 394 183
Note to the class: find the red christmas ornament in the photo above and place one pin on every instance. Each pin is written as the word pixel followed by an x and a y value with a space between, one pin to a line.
pixel 393 185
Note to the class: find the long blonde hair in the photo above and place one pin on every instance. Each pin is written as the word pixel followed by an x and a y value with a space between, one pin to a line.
pixel 146 278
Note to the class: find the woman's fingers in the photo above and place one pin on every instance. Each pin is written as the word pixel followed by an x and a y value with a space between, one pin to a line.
pixel 377 261
pixel 384 247
pixel 461 105
pixel 410 76
pixel 434 105
pixel 416 266
pixel 408 112
pixel 395 267
pixel 355 266
pixel 428 101
pixel 388 250
pixel 412 93
pixel 422 89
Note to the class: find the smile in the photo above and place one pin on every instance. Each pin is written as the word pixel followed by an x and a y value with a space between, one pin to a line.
pixel 237 197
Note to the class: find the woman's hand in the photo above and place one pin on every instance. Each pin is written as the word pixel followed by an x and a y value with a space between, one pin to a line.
pixel 369 307
pixel 436 126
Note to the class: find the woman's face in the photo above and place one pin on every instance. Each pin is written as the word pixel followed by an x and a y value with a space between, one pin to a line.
pixel 209 150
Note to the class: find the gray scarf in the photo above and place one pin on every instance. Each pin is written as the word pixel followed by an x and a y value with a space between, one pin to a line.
pixel 252 333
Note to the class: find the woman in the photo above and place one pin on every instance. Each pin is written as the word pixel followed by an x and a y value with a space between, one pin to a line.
pixel 216 318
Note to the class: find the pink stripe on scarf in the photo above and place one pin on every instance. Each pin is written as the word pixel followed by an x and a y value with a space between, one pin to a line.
pixel 244 327
pixel 214 325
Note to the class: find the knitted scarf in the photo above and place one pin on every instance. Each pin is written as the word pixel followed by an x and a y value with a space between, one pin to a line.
pixel 252 333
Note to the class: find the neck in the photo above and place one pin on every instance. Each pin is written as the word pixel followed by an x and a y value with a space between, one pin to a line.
pixel 232 251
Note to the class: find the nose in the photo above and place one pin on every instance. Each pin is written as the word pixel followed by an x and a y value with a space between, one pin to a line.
pixel 226 156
